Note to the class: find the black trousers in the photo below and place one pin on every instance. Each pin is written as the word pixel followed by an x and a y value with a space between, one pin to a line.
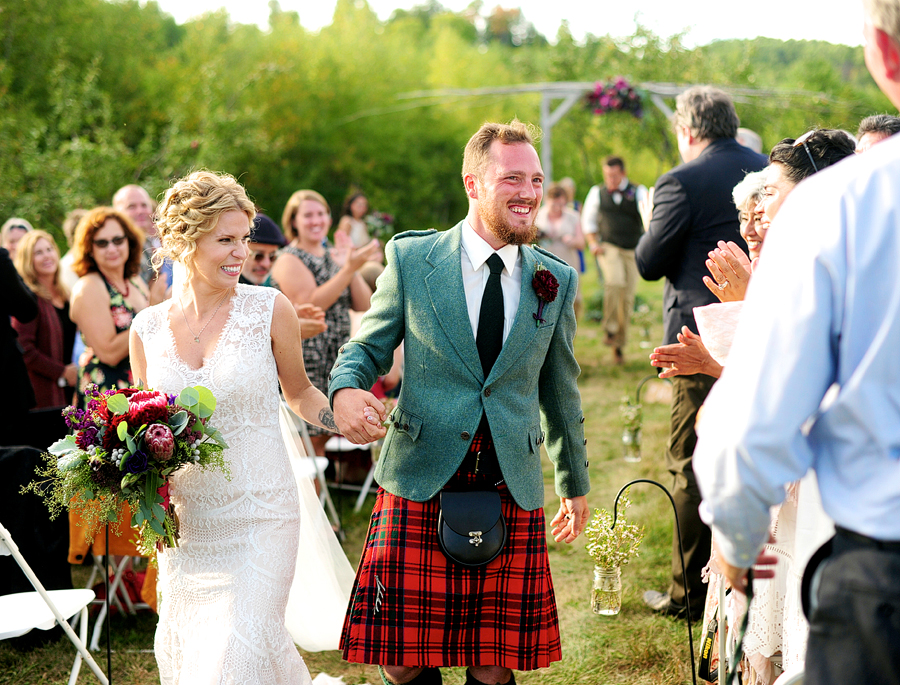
pixel 688 393
pixel 854 629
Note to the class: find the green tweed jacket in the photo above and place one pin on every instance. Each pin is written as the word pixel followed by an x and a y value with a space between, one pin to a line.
pixel 530 393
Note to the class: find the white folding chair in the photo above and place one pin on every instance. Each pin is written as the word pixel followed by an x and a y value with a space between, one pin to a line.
pixel 25 611
pixel 317 464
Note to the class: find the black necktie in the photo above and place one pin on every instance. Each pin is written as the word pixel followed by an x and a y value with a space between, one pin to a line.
pixel 490 319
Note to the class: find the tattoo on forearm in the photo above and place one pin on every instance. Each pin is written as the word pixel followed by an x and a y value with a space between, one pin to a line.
pixel 326 418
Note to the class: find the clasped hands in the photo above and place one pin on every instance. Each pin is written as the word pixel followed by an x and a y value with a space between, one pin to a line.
pixel 685 358
pixel 359 415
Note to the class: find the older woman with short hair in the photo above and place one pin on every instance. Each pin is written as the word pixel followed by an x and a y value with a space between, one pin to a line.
pixel 12 231
pixel 109 292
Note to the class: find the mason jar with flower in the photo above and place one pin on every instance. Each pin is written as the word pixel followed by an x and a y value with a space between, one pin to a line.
pixel 611 548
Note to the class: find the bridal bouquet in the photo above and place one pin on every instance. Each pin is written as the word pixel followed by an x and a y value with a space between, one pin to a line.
pixel 123 448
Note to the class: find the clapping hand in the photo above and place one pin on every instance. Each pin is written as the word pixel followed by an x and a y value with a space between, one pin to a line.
pixel 685 358
pixel 351 258
pixel 730 267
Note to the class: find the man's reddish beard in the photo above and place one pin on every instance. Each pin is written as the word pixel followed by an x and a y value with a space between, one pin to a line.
pixel 499 225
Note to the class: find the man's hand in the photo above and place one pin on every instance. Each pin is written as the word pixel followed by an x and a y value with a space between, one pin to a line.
pixel 763 568
pixel 359 415
pixel 570 520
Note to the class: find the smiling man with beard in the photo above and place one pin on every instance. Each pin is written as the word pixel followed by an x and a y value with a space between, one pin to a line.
pixel 487 324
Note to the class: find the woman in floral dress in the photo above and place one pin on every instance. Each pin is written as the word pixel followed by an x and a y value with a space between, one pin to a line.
pixel 105 299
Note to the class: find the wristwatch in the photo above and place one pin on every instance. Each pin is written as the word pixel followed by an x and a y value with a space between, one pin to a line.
pixel 61 382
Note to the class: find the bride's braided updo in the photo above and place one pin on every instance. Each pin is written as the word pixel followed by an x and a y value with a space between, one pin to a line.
pixel 192 208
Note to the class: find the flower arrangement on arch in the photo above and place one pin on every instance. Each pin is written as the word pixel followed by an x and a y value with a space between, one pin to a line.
pixel 123 448
pixel 613 547
pixel 618 96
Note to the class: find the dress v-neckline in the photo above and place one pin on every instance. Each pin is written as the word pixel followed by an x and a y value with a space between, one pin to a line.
pixel 216 347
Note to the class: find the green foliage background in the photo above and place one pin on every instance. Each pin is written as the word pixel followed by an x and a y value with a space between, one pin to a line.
pixel 96 94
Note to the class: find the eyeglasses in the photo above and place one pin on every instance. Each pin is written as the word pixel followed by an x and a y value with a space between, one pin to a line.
pixel 259 256
pixel 21 227
pixel 802 141
pixel 103 243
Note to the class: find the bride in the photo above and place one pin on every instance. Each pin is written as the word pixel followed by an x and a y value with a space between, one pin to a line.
pixel 225 587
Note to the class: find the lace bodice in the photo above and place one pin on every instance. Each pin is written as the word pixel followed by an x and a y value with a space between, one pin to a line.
pixel 225 588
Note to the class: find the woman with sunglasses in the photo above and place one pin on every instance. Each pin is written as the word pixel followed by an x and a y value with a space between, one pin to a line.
pixel 107 257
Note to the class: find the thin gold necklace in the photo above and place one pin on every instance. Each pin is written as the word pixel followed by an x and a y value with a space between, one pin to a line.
pixel 208 321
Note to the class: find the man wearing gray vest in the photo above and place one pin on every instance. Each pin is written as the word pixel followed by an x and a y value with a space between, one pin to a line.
pixel 612 224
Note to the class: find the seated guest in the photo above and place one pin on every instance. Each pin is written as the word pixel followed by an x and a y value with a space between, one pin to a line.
pixel 874 129
pixel 107 296
pixel 12 232
pixel 46 341
pixel 266 239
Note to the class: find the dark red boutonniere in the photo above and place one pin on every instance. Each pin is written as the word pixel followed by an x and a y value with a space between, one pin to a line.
pixel 546 287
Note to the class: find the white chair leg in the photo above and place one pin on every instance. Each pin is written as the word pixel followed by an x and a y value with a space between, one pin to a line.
pixel 364 490
pixel 76 667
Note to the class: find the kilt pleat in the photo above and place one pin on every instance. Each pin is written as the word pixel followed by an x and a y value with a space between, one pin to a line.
pixel 410 606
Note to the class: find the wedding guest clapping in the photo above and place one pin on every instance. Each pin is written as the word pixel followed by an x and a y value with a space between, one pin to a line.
pixel 308 271
pixel 109 292
pixel 266 239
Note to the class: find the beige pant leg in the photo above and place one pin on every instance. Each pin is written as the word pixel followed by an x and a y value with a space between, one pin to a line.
pixel 620 282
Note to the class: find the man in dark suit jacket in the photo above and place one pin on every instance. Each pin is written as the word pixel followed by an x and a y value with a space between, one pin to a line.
pixel 692 211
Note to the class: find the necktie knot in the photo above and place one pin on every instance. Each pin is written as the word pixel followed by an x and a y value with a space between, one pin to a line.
pixel 495 264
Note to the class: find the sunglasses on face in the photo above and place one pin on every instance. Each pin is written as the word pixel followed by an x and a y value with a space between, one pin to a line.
pixel 802 141
pixel 259 256
pixel 103 243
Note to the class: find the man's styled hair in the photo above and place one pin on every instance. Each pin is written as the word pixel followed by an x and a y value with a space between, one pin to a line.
pixel 613 160
pixel 478 149
pixel 885 124
pixel 884 15
pixel 824 146
pixel 708 112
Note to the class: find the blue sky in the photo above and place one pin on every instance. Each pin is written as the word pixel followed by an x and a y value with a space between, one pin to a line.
pixel 706 20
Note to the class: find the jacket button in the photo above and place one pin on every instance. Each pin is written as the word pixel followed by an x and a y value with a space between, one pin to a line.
pixel 406 426
pixel 465 435
pixel 582 420
pixel 585 463
pixel 585 441
pixel 341 350
pixel 391 417
pixel 487 392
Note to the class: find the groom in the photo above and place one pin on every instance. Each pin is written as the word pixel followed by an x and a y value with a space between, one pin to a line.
pixel 490 375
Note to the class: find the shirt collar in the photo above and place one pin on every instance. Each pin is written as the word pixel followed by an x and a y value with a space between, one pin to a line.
pixel 478 250
pixel 623 185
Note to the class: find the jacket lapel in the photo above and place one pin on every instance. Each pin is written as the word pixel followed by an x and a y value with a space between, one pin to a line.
pixel 448 298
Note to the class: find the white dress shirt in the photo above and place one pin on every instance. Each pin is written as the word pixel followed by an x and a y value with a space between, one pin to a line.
pixel 475 252
pixel 592 204
pixel 822 312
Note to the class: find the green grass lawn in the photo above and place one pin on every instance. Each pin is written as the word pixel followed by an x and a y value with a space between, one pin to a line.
pixel 635 647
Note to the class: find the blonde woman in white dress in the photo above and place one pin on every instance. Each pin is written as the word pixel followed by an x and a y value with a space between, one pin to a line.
pixel 224 589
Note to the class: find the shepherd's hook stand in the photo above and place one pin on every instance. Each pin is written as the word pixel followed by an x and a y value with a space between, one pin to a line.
pixel 687 605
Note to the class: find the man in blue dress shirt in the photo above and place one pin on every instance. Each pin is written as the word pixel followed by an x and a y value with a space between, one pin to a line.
pixel 823 314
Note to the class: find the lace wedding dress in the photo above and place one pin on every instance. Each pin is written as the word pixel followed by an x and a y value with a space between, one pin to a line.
pixel 225 588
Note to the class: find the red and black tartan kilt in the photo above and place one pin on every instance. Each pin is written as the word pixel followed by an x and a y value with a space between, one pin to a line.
pixel 410 606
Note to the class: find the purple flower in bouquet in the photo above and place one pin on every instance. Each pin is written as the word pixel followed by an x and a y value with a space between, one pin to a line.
pixel 137 463
pixel 90 435
pixel 617 96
